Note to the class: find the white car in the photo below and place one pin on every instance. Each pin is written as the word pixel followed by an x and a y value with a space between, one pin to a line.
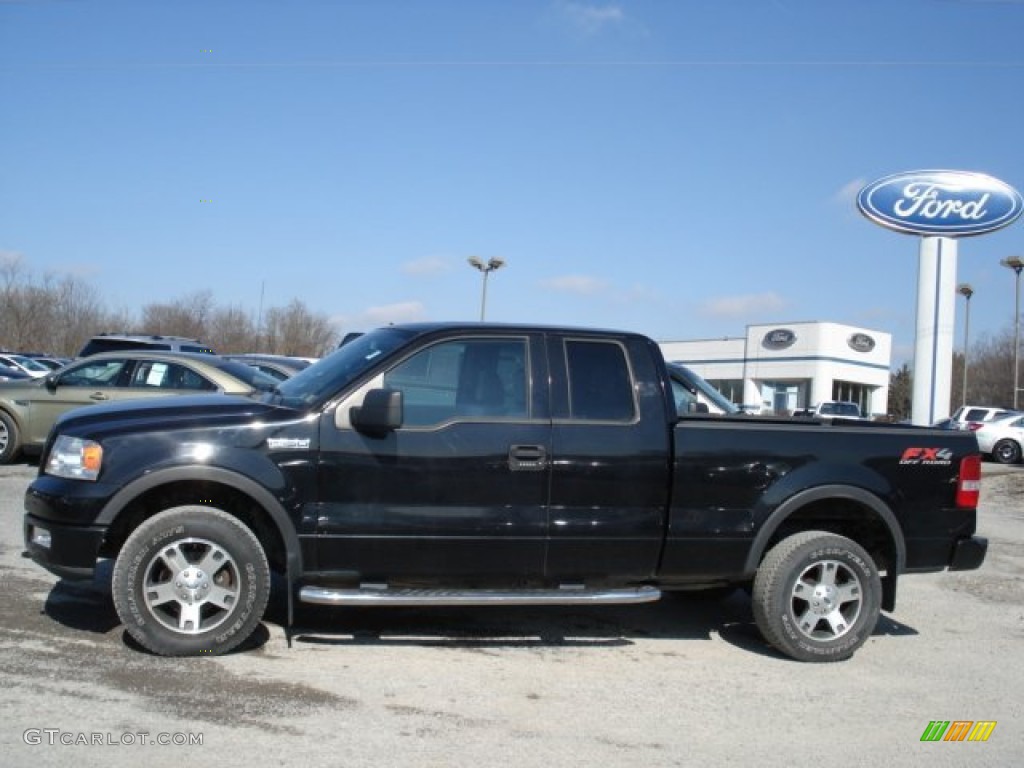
pixel 33 368
pixel 973 416
pixel 831 409
pixel 1002 438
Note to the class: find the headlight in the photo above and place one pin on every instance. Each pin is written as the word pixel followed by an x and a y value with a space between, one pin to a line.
pixel 75 458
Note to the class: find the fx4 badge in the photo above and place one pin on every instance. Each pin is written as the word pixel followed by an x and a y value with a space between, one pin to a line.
pixel 942 456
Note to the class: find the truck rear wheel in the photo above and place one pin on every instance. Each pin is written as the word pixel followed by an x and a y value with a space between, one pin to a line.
pixel 191 581
pixel 817 596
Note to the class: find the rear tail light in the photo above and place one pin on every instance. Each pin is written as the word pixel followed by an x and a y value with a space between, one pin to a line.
pixel 974 426
pixel 968 485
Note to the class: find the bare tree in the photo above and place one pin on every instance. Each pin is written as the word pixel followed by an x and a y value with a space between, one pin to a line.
pixel 78 312
pixel 296 331
pixel 16 319
pixel 188 316
pixel 990 370
pixel 232 330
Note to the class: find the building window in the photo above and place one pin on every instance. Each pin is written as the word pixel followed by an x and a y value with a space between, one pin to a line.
pixel 784 397
pixel 730 388
pixel 854 393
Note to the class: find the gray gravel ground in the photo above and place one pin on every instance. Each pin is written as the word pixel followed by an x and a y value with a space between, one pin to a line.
pixel 686 681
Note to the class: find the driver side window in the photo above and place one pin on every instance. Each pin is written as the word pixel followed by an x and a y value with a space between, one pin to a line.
pixel 102 373
pixel 464 378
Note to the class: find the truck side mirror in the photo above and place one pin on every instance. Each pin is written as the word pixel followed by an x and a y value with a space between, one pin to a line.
pixel 696 407
pixel 380 413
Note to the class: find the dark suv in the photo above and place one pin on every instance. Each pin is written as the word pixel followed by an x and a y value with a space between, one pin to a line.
pixel 115 342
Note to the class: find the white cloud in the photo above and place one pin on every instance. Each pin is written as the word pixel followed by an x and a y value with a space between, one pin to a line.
pixel 426 266
pixel 374 317
pixel 589 18
pixel 581 285
pixel 740 306
pixel 847 194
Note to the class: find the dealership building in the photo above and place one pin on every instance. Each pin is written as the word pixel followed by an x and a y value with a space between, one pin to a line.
pixel 781 367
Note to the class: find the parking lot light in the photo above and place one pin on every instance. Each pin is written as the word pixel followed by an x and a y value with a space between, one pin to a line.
pixel 965 290
pixel 491 265
pixel 1016 263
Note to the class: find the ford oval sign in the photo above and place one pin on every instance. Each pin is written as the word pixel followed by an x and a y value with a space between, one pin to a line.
pixel 944 203
pixel 780 338
pixel 861 342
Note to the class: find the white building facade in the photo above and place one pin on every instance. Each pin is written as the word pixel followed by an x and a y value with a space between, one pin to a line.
pixel 781 367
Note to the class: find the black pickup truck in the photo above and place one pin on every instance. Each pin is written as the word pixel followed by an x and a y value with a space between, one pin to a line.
pixel 449 464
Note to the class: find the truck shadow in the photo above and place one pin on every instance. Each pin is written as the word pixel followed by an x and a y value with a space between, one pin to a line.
pixel 87 606
pixel 682 616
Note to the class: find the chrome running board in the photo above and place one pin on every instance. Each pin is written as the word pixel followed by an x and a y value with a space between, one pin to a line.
pixel 383 595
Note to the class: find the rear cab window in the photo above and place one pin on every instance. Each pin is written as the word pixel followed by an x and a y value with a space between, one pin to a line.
pixel 600 381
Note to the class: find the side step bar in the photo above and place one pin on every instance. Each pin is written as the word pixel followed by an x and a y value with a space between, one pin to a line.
pixel 382 595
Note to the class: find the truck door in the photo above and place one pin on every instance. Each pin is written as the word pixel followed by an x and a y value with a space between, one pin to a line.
pixel 610 460
pixel 460 490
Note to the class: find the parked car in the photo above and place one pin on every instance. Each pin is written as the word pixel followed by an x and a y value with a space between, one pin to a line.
pixel 7 373
pixel 26 364
pixel 1002 438
pixel 281 367
pixel 52 362
pixel 114 342
pixel 830 409
pixel 694 395
pixel 973 416
pixel 28 409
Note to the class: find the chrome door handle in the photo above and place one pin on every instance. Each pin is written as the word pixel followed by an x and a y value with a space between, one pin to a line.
pixel 527 458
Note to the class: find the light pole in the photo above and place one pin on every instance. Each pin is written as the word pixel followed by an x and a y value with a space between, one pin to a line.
pixel 491 265
pixel 965 290
pixel 1016 263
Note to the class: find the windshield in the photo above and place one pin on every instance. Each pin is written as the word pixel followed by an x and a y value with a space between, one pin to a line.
pixel 319 382
pixel 254 377
pixel 29 364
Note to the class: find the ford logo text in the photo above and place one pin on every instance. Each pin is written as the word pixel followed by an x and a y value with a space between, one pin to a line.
pixel 945 203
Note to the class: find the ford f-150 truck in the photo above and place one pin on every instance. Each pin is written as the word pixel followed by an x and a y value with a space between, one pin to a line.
pixel 449 464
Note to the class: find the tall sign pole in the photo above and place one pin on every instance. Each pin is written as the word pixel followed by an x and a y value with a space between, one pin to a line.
pixel 938 206
pixel 933 347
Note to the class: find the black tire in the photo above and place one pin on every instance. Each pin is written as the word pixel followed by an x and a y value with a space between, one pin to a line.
pixel 10 440
pixel 191 581
pixel 817 596
pixel 1006 451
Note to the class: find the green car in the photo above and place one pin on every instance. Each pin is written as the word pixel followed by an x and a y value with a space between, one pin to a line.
pixel 29 408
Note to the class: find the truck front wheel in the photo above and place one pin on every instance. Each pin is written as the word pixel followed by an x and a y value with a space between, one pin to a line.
pixel 191 581
pixel 817 596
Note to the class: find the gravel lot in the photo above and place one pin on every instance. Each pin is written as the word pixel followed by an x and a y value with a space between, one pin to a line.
pixel 686 681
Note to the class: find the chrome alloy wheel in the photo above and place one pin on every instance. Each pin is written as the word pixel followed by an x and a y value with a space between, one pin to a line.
pixel 826 600
pixel 191 586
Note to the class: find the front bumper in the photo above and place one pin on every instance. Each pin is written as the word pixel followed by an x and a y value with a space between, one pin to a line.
pixel 61 532
pixel 69 551
pixel 968 554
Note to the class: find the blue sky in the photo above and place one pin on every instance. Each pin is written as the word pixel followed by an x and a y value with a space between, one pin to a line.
pixel 676 167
